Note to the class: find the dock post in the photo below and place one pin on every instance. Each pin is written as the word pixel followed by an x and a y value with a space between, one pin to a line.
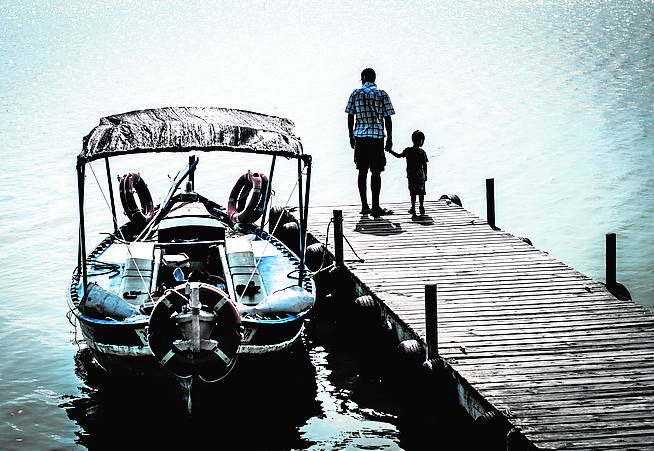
pixel 610 260
pixel 490 202
pixel 338 236
pixel 431 319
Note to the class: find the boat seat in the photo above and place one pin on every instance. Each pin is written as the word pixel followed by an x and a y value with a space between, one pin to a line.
pixel 137 273
pixel 246 279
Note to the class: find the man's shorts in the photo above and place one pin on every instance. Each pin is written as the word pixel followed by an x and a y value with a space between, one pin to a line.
pixel 369 154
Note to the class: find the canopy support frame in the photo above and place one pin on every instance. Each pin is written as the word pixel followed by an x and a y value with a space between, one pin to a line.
pixel 138 150
pixel 266 199
pixel 304 219
pixel 303 198
pixel 81 167
pixel 111 196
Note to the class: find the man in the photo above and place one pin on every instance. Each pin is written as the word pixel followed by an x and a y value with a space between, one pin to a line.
pixel 373 109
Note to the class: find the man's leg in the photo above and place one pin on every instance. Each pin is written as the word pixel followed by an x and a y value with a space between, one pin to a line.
pixel 363 189
pixel 377 164
pixel 375 187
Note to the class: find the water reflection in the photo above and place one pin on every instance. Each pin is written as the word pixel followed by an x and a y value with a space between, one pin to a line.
pixel 261 406
pixel 330 392
pixel 369 400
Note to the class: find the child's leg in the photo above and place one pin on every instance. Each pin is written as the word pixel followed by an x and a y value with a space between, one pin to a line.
pixel 413 204
pixel 421 197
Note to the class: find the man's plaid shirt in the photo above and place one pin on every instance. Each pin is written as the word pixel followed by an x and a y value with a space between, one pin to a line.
pixel 370 105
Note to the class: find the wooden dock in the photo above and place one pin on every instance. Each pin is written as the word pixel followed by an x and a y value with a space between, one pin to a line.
pixel 565 361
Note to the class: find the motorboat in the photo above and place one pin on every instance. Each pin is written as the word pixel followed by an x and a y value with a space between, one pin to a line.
pixel 186 287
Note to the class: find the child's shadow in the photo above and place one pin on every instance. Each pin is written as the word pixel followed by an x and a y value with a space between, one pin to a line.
pixel 424 220
pixel 378 226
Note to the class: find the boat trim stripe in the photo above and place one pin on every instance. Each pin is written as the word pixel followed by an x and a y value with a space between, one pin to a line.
pixel 137 351
pixel 142 351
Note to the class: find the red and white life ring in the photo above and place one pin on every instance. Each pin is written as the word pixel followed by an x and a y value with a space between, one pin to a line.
pixel 246 201
pixel 132 185
pixel 168 337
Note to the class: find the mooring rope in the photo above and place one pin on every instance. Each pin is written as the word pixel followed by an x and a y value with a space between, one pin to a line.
pixel 331 221
pixel 360 260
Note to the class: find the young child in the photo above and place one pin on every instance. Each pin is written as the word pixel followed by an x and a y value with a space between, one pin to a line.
pixel 416 169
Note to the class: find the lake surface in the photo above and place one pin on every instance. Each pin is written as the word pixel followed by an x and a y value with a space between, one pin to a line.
pixel 554 100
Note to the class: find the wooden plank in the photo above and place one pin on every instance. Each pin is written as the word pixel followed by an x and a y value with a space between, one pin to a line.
pixel 450 346
pixel 559 375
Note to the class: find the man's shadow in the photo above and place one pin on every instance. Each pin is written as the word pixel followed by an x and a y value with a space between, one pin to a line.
pixel 378 226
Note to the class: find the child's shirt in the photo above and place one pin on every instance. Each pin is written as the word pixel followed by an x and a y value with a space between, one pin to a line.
pixel 416 162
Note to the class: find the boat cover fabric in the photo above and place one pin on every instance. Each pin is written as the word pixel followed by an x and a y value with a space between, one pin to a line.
pixel 190 128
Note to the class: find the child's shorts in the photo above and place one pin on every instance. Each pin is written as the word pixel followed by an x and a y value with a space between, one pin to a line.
pixel 417 186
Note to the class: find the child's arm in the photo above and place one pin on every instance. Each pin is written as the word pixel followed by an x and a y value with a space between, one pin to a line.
pixel 395 154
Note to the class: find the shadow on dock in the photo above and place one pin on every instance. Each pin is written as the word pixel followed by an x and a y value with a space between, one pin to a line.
pixel 378 226
pixel 424 220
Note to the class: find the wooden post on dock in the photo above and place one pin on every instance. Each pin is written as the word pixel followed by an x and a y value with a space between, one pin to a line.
pixel 610 260
pixel 431 319
pixel 490 202
pixel 338 236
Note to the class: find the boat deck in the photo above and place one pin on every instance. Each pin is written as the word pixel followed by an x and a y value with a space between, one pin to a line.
pixel 561 357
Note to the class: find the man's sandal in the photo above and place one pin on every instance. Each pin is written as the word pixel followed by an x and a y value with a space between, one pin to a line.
pixel 381 212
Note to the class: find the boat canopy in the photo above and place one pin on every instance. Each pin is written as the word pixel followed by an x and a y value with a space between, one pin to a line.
pixel 182 129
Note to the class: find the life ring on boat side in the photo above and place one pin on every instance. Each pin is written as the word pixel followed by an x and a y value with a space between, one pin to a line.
pixel 132 185
pixel 220 333
pixel 247 197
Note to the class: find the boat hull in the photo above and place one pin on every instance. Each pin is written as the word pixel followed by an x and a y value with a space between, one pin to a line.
pixel 115 318
pixel 122 348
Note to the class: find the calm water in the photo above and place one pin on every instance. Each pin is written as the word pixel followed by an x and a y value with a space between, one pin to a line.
pixel 555 101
